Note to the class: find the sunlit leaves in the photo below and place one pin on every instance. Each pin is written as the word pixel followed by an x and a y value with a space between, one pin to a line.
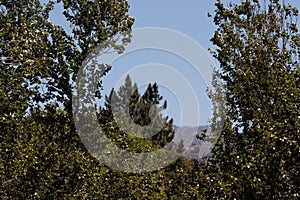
pixel 41 155
pixel 258 51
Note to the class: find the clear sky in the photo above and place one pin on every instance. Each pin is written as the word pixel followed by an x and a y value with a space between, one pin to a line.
pixel 188 17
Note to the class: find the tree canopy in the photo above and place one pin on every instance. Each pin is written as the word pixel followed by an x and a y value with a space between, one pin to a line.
pixel 257 86
pixel 258 51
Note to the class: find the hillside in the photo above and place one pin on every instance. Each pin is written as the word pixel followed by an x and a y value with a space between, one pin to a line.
pixel 195 148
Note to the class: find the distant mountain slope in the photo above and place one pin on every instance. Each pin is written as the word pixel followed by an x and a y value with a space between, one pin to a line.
pixel 195 148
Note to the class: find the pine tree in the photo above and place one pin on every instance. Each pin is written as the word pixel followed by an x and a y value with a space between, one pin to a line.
pixel 134 112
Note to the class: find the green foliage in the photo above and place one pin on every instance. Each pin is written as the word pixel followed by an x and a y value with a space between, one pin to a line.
pixel 41 154
pixel 258 51
pixel 257 156
pixel 134 121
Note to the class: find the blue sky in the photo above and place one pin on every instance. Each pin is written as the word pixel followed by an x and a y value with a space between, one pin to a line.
pixel 188 17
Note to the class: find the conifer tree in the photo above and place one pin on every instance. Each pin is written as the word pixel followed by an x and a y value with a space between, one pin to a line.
pixel 132 111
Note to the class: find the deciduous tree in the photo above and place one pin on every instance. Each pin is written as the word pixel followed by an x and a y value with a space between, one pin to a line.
pixel 257 46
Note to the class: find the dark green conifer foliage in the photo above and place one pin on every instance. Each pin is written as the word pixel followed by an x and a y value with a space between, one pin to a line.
pixel 140 114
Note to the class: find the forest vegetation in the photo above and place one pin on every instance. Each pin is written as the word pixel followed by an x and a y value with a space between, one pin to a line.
pixel 257 84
